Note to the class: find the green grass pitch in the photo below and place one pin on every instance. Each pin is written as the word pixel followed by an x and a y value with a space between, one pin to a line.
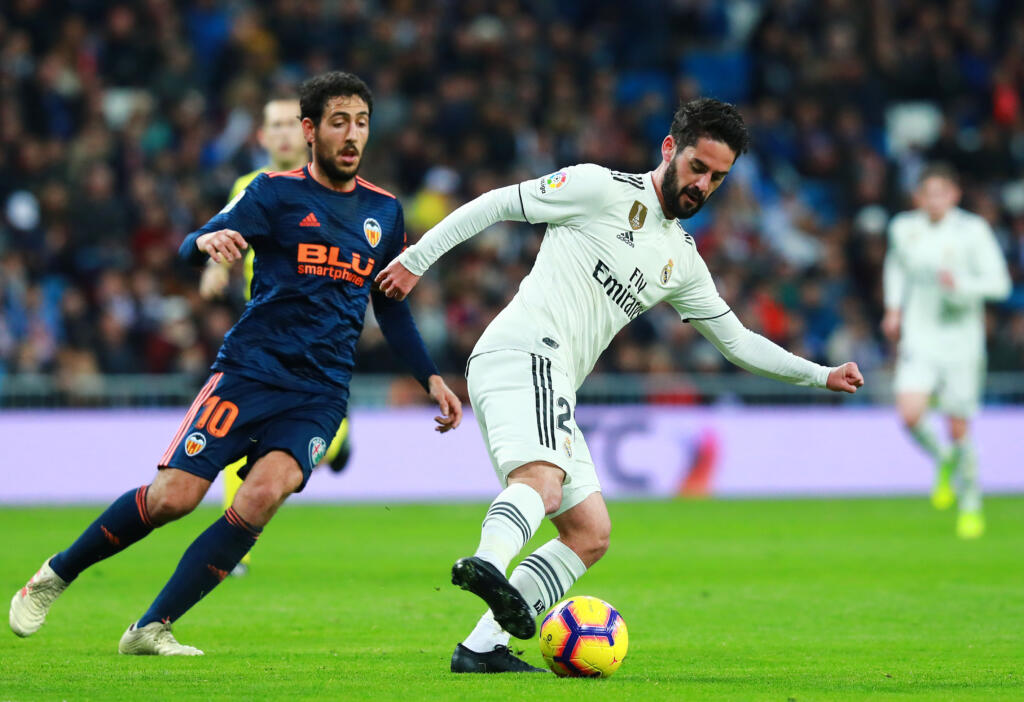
pixel 725 600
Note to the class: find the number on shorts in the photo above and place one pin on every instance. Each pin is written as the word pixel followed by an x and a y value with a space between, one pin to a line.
pixel 221 414
pixel 565 416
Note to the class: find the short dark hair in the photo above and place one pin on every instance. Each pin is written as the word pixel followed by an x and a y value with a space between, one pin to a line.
pixel 316 92
pixel 714 119
pixel 939 169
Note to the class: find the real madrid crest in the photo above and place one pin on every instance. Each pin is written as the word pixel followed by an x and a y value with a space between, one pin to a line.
pixel 666 272
pixel 372 231
pixel 567 446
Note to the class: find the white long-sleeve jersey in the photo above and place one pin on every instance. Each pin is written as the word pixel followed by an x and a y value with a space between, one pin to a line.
pixel 939 324
pixel 608 255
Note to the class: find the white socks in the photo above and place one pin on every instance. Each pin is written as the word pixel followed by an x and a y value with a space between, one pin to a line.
pixel 965 468
pixel 547 574
pixel 926 439
pixel 541 578
pixel 486 635
pixel 510 522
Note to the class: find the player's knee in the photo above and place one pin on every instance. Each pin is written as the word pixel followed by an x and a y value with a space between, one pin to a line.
pixel 173 494
pixel 167 505
pixel 258 498
pixel 552 496
pixel 911 418
pixel 597 544
pixel 546 479
pixel 590 546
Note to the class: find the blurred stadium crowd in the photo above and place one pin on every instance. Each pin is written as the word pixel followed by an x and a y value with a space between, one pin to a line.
pixel 123 125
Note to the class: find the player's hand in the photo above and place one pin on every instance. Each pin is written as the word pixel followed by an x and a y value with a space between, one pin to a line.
pixel 845 378
pixel 223 246
pixel 396 281
pixel 447 402
pixel 212 282
pixel 891 324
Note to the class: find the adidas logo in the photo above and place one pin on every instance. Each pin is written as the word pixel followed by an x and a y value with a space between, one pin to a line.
pixel 628 238
pixel 309 220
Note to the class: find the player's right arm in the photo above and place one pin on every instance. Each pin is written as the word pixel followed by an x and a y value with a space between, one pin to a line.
pixel 221 238
pixel 562 197
pixel 894 282
pixel 215 276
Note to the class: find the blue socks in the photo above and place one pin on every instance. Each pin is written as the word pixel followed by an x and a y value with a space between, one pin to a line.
pixel 123 523
pixel 206 562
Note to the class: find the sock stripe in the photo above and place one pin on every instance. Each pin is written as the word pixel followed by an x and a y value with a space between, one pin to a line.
pixel 540 561
pixel 542 576
pixel 527 565
pixel 497 515
pixel 235 520
pixel 502 512
pixel 140 502
pixel 517 515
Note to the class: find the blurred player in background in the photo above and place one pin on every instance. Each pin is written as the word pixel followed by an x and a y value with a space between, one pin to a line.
pixel 281 378
pixel 614 248
pixel 281 135
pixel 941 266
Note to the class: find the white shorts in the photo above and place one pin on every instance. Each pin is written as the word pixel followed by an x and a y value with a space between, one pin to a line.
pixel 526 411
pixel 956 386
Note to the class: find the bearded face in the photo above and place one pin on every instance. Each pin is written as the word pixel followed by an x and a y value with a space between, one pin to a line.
pixel 692 174
pixel 682 201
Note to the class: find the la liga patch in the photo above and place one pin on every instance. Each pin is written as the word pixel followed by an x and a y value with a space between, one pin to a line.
pixel 553 182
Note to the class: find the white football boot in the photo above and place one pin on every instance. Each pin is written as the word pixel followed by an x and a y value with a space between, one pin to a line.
pixel 154 639
pixel 31 603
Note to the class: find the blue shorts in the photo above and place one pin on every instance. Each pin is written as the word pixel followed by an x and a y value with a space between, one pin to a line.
pixel 234 417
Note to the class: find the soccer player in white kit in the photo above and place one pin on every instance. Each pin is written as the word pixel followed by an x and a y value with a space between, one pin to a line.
pixel 613 248
pixel 941 266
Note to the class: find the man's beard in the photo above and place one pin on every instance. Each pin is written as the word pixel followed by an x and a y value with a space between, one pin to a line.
pixel 329 168
pixel 671 191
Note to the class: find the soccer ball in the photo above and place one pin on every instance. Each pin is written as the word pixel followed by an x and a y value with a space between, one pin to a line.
pixel 583 637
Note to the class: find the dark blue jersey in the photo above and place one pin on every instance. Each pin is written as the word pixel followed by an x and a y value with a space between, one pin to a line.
pixel 317 252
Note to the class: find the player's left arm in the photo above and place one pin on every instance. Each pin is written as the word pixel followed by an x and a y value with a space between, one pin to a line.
pixel 699 303
pixel 759 355
pixel 985 274
pixel 399 329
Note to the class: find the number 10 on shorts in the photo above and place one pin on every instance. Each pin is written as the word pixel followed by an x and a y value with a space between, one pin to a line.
pixel 217 417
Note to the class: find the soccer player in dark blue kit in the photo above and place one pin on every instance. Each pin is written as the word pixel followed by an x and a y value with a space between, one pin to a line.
pixel 279 386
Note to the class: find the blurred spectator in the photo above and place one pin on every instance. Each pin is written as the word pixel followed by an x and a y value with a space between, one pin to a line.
pixel 122 127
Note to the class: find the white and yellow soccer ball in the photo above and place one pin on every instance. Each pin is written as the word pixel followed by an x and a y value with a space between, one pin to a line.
pixel 583 637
